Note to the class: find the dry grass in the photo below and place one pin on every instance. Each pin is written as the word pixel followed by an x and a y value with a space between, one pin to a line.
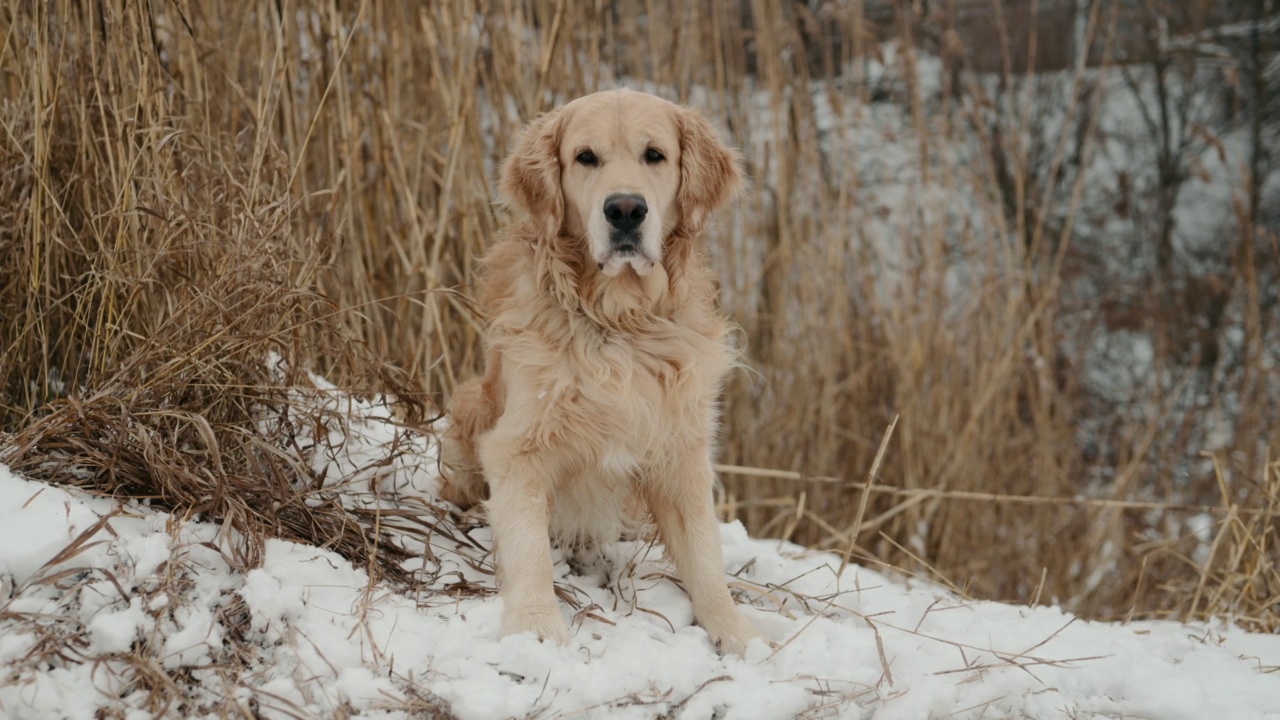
pixel 161 297
pixel 187 188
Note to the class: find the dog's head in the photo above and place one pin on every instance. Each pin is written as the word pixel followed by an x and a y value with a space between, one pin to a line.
pixel 624 170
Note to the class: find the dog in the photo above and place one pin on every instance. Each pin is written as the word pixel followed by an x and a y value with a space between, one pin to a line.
pixel 605 353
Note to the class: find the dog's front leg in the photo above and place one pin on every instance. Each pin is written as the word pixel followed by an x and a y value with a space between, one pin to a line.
pixel 681 502
pixel 519 514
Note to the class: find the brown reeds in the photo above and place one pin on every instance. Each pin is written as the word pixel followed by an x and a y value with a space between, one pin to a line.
pixel 161 297
pixel 189 189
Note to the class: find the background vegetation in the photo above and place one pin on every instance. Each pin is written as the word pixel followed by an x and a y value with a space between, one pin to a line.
pixel 1062 335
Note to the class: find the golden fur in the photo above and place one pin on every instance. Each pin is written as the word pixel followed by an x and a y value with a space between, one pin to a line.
pixel 603 366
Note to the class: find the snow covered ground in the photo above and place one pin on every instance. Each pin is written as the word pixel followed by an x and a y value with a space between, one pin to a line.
pixel 94 594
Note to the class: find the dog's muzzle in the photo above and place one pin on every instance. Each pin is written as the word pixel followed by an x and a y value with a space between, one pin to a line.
pixel 625 214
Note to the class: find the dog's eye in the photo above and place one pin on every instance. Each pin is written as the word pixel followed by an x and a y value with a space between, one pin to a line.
pixel 588 158
pixel 653 156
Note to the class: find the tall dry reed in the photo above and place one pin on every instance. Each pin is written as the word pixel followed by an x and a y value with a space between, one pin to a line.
pixel 315 179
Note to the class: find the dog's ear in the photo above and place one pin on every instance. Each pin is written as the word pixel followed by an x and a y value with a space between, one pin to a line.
pixel 710 173
pixel 530 175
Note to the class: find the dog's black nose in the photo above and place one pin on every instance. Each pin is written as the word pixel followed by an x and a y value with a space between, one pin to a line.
pixel 625 212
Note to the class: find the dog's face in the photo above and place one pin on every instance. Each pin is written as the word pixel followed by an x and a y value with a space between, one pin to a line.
pixel 619 173
pixel 622 170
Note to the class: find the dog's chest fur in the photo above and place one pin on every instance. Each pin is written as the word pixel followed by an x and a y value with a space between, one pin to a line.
pixel 615 402
pixel 615 394
pixel 641 396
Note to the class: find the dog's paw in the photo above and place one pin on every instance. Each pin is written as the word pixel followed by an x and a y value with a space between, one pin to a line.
pixel 541 619
pixel 733 635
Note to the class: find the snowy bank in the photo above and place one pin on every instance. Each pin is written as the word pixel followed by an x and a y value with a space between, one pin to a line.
pixel 99 596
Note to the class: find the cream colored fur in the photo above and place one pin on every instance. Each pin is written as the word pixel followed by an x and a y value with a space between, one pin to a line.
pixel 599 399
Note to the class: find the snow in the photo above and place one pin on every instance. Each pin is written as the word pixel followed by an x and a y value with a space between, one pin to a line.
pixel 319 638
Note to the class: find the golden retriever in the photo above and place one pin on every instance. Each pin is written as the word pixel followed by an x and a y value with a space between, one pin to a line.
pixel 605 354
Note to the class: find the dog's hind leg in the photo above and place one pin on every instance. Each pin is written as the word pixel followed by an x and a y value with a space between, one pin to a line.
pixel 471 413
